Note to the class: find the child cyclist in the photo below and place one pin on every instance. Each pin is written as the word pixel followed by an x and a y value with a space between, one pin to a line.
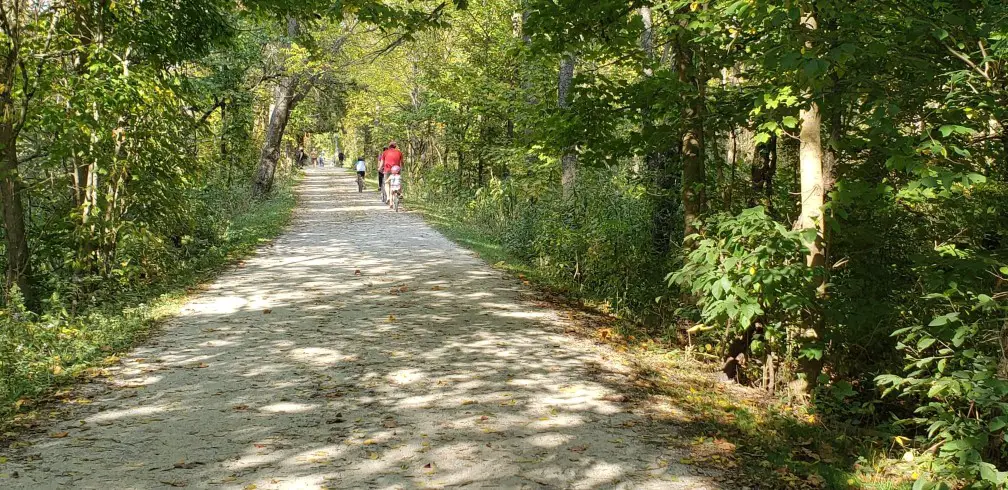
pixel 395 185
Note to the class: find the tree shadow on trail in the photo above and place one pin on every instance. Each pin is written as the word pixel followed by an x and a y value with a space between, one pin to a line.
pixel 361 349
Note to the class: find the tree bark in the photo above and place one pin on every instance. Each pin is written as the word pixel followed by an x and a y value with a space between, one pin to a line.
pixel 19 266
pixel 811 218
pixel 693 178
pixel 568 161
pixel 763 170
pixel 284 100
pixel 270 155
pixel 657 162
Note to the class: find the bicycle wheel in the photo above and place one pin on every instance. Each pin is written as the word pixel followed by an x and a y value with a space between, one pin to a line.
pixel 360 184
pixel 395 201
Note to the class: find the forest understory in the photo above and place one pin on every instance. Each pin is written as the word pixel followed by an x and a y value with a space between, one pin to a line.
pixel 808 198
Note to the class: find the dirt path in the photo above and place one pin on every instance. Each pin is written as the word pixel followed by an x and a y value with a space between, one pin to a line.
pixel 426 369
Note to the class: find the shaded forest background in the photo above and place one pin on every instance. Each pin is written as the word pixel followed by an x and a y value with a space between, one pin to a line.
pixel 813 193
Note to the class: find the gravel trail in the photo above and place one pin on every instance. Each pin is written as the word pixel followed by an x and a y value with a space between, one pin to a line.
pixel 360 349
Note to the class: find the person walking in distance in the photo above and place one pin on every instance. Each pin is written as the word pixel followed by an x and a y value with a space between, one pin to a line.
pixel 391 157
pixel 381 173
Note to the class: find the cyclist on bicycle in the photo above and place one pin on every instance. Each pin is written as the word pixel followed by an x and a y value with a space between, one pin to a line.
pixel 391 157
pixel 361 171
pixel 395 187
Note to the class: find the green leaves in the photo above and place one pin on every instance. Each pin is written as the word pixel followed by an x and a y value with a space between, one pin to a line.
pixel 746 267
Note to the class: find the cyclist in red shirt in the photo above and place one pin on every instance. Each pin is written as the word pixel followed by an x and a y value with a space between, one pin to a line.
pixel 392 157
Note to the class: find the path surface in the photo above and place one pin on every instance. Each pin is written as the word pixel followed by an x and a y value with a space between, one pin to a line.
pixel 428 369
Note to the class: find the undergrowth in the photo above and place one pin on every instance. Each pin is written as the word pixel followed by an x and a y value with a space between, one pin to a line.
pixel 751 435
pixel 41 352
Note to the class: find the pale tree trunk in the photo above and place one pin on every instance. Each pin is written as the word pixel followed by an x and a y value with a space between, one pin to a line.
pixel 811 218
pixel 568 162
pixel 284 99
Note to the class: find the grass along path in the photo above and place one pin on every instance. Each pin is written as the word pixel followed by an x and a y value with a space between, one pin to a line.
pixel 360 349
pixel 45 355
pixel 760 440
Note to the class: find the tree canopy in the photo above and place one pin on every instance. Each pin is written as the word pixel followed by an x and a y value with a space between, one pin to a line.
pixel 813 192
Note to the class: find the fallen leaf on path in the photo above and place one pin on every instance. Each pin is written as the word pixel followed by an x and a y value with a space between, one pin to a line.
pixel 59 435
pixel 391 318
pixel 579 449
pixel 177 484
pixel 182 465
pixel 241 407
pixel 390 423
pixel 373 455
pixel 202 365
pixel 250 486
pixel 357 272
pixel 267 311
pixel 436 288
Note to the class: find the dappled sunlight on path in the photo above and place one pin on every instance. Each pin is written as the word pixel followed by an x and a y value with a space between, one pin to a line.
pixel 361 349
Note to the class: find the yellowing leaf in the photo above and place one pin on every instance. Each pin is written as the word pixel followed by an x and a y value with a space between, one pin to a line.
pixel 57 369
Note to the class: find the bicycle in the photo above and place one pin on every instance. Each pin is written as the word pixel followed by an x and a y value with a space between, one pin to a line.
pixel 360 183
pixel 395 187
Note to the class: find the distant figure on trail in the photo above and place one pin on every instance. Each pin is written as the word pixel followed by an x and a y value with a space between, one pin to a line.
pixel 361 166
pixel 381 173
pixel 391 157
pixel 341 157
pixel 361 171
pixel 300 157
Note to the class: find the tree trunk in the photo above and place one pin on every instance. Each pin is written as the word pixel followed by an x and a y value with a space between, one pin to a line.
pixel 19 269
pixel 568 162
pixel 693 178
pixel 270 155
pixel 284 100
pixel 763 170
pixel 656 161
pixel 811 218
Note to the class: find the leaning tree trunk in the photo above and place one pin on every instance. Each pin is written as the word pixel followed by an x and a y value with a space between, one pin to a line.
pixel 811 218
pixel 568 162
pixel 270 155
pixel 284 100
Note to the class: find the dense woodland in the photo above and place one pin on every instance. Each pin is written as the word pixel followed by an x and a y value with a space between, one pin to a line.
pixel 814 192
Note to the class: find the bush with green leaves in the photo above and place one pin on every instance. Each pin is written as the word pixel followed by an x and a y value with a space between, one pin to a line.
pixel 749 277
pixel 955 375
